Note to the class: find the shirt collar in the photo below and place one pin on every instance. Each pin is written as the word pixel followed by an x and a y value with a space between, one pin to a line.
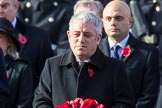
pixel 122 43
pixel 82 61
pixel 14 22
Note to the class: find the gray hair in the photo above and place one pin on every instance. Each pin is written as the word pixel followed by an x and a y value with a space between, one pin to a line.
pixel 98 4
pixel 87 17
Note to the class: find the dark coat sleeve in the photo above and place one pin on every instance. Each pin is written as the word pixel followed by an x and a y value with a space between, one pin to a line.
pixel 42 97
pixel 160 52
pixel 20 84
pixel 159 102
pixel 151 81
pixel 25 93
pixel 3 82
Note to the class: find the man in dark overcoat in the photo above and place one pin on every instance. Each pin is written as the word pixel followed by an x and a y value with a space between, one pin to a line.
pixel 84 71
pixel 141 59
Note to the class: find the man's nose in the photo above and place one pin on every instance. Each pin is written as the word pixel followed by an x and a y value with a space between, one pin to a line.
pixel 82 37
pixel 113 21
pixel 1 9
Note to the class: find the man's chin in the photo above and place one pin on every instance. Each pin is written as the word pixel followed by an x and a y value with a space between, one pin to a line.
pixel 80 53
pixel 114 35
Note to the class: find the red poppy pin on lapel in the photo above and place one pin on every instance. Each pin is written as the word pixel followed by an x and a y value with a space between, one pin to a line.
pixel 126 52
pixel 8 76
pixel 22 39
pixel 90 72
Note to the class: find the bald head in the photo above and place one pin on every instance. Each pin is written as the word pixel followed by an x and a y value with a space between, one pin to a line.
pixel 118 5
pixel 117 20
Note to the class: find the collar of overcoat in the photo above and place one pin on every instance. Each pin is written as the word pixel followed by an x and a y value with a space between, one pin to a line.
pixel 96 59
pixel 22 28
pixel 132 43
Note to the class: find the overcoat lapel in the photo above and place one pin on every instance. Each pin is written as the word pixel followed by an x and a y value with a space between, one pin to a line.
pixel 75 81
pixel 21 31
pixel 104 46
pixel 132 43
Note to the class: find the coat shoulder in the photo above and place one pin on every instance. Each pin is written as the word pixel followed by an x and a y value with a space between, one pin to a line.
pixel 146 46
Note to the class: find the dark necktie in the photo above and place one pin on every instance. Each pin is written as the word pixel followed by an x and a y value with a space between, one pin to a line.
pixel 115 51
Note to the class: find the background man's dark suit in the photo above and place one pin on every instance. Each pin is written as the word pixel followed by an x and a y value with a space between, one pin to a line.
pixel 39 13
pixel 60 81
pixel 37 48
pixel 147 20
pixel 3 82
pixel 50 15
pixel 143 70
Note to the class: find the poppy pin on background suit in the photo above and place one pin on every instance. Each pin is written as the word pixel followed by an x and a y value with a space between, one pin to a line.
pixel 22 39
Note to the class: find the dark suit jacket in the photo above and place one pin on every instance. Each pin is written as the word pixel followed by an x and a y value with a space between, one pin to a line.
pixel 143 70
pixel 60 81
pixel 160 52
pixel 152 17
pixel 60 11
pixel 3 82
pixel 159 102
pixel 20 80
pixel 37 48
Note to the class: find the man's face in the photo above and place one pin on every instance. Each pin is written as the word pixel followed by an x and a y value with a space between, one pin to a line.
pixel 116 21
pixel 8 9
pixel 83 39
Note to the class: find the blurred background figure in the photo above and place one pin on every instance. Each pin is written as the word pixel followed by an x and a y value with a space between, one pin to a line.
pixel 82 5
pixel 4 95
pixel 51 15
pixel 147 16
pixel 35 44
pixel 19 73
pixel 88 5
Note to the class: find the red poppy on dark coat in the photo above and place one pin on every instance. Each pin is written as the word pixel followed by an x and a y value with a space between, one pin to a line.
pixel 90 72
pixel 22 39
pixel 126 52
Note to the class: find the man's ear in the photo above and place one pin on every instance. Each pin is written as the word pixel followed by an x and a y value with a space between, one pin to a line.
pixel 98 39
pixel 17 5
pixel 131 21
pixel 68 33
pixel 102 19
